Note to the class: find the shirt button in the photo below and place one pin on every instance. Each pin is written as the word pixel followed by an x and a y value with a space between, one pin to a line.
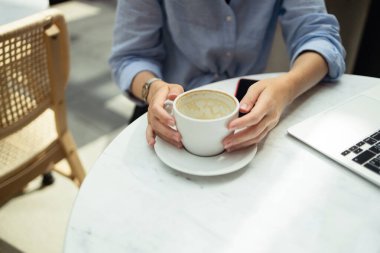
pixel 228 54
pixel 229 18
pixel 216 75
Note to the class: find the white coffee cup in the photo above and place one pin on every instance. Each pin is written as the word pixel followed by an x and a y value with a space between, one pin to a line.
pixel 202 117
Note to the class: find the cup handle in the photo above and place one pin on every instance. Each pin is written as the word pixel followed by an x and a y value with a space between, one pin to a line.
pixel 168 106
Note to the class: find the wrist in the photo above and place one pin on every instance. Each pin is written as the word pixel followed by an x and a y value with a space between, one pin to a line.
pixel 147 87
pixel 154 88
pixel 287 84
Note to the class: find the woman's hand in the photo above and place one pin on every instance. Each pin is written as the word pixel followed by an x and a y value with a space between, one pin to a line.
pixel 266 100
pixel 264 103
pixel 159 120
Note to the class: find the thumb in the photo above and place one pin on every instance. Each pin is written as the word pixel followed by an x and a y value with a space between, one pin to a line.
pixel 174 91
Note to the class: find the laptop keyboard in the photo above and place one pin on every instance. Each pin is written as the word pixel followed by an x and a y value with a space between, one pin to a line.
pixel 366 152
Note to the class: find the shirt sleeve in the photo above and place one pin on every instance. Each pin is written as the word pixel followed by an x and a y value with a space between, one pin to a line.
pixel 137 44
pixel 307 26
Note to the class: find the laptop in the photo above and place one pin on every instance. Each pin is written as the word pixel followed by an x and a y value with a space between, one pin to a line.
pixel 348 133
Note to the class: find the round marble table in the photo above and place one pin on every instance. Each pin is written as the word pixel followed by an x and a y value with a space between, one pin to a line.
pixel 290 198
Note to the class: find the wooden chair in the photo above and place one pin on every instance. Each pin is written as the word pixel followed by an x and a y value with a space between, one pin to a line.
pixel 34 69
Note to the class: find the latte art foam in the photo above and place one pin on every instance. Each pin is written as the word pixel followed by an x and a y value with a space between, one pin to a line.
pixel 206 105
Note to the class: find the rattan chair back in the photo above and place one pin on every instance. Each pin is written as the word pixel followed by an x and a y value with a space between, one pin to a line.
pixel 34 70
pixel 33 76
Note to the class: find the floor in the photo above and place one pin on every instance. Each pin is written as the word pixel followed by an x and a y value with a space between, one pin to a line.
pixel 97 112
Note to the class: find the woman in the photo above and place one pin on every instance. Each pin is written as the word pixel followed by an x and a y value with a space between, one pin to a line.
pixel 162 48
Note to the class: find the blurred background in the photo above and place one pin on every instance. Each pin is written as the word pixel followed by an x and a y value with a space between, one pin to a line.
pixel 98 111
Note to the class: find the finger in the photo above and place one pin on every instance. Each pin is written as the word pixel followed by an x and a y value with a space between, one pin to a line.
pixel 150 136
pixel 157 110
pixel 161 115
pixel 250 119
pixel 250 98
pixel 167 133
pixel 259 111
pixel 250 142
pixel 174 91
pixel 246 134
pixel 174 143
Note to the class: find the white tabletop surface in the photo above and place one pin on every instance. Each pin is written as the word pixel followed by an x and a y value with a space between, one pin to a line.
pixel 289 198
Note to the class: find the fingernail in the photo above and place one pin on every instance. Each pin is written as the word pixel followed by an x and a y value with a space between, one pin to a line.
pixel 227 145
pixel 171 123
pixel 244 106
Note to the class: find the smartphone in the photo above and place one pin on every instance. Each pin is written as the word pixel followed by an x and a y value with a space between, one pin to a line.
pixel 242 88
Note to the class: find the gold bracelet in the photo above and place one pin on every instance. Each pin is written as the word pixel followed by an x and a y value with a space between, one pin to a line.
pixel 146 87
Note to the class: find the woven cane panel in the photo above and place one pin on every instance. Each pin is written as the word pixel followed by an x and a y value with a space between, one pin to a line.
pixel 24 80
pixel 27 142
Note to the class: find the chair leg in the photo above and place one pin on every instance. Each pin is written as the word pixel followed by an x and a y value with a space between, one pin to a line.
pixel 68 144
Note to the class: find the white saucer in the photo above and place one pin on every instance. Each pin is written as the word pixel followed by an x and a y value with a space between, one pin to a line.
pixel 182 160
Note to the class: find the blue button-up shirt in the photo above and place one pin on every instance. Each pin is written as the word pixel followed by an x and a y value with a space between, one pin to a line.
pixel 195 42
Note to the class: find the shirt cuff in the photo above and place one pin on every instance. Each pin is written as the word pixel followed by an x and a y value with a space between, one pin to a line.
pixel 329 52
pixel 129 73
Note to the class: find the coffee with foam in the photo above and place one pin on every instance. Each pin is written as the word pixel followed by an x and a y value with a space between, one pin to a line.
pixel 206 105
pixel 202 117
